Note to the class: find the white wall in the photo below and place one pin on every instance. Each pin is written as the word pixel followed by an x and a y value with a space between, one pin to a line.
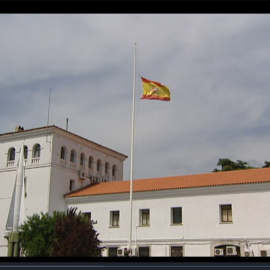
pixel 37 178
pixel 63 171
pixel 89 148
pixel 201 218
pixel 47 181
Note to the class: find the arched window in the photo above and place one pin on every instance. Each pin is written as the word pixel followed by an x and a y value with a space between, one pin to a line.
pixel 99 165
pixel 36 151
pixel 11 154
pixel 63 153
pixel 72 156
pixel 25 152
pixel 90 162
pixel 82 159
pixel 106 168
pixel 114 171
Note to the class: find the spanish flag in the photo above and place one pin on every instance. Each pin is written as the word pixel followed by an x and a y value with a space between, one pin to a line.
pixel 155 90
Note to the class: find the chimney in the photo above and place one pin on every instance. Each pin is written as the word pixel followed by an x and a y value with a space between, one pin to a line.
pixel 18 128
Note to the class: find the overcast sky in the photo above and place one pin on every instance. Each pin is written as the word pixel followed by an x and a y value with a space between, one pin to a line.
pixel 216 66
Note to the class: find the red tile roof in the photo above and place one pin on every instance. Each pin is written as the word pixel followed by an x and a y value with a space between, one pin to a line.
pixel 239 177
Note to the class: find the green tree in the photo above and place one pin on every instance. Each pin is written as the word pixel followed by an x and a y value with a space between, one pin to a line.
pixel 62 234
pixel 226 164
pixel 75 236
pixel 229 165
pixel 266 164
pixel 36 234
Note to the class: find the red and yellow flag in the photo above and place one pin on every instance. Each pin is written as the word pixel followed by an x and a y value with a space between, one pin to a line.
pixel 155 90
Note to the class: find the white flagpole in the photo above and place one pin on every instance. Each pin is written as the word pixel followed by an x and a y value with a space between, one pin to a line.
pixel 132 149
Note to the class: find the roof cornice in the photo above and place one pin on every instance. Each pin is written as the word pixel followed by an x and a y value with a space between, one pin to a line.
pixel 177 193
pixel 50 129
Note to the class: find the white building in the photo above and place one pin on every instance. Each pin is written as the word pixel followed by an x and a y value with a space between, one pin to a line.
pixel 214 214
pixel 56 162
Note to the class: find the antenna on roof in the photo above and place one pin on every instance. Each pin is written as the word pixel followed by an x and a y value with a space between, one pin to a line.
pixel 49 107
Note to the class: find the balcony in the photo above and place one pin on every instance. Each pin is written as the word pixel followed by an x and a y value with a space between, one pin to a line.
pixel 35 160
pixel 10 163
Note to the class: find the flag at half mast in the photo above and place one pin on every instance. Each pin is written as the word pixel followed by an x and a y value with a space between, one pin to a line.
pixel 155 90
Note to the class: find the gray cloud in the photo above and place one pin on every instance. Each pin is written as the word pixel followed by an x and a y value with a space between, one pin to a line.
pixel 216 66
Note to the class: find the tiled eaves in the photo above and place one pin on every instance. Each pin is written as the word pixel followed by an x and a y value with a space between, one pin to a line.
pixel 249 176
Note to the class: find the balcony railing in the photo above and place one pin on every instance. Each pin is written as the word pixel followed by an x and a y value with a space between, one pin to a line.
pixel 35 160
pixel 11 163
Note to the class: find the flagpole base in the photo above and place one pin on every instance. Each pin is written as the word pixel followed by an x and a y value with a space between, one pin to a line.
pixel 13 244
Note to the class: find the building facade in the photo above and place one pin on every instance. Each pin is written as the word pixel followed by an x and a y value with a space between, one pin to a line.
pixel 56 162
pixel 214 214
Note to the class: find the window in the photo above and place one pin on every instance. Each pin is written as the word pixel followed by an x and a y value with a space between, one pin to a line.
pixel 90 163
pixel 99 165
pixel 114 171
pixel 82 158
pixel 263 253
pixel 11 154
pixel 177 251
pixel 144 252
pixel 226 213
pixel 176 214
pixel 88 214
pixel 71 185
pixel 112 252
pixel 145 217
pixel 106 168
pixel 63 153
pixel 25 152
pixel 114 219
pixel 36 151
pixel 72 156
